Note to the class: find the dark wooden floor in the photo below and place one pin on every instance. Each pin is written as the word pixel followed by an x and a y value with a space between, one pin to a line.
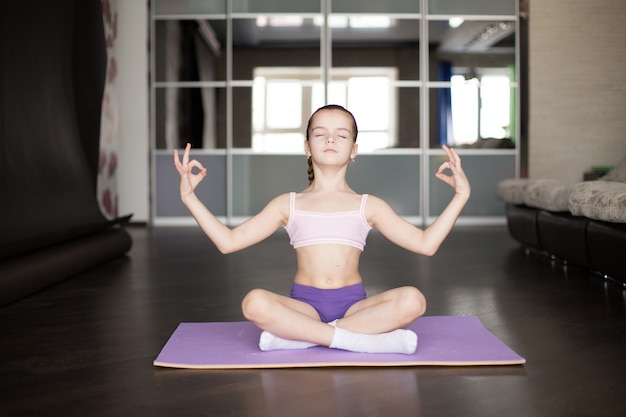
pixel 86 346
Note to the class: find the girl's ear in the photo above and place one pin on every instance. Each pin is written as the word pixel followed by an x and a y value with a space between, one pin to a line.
pixel 355 150
pixel 307 151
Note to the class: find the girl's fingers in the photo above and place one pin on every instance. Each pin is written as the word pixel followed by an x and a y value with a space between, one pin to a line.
pixel 177 164
pixel 443 177
pixel 457 158
pixel 449 153
pixel 452 155
pixel 186 154
pixel 195 164
pixel 186 164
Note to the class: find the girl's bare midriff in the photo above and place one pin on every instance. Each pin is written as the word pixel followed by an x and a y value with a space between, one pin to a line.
pixel 328 266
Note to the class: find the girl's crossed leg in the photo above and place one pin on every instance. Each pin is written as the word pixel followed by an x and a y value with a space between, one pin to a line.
pixel 371 325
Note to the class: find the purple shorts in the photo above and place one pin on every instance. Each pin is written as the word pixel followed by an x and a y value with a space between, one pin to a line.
pixel 330 304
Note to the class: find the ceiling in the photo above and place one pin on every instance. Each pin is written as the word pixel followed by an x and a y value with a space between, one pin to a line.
pixel 469 37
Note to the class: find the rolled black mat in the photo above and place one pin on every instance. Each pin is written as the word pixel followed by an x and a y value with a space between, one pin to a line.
pixel 28 273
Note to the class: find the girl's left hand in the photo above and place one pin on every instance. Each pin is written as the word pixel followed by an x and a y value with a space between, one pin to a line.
pixel 188 179
pixel 457 180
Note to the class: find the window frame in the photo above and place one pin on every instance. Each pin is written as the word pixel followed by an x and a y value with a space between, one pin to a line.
pixel 309 78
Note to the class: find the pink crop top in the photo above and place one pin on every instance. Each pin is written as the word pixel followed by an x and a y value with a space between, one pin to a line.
pixel 314 228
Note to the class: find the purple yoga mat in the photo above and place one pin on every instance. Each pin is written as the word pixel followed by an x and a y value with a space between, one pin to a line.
pixel 442 340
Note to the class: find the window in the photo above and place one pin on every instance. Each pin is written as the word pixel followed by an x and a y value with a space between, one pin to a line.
pixel 481 105
pixel 284 98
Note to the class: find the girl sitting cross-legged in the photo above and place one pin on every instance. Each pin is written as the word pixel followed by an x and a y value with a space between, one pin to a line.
pixel 328 224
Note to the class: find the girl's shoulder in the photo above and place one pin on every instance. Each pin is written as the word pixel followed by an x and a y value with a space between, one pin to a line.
pixel 280 204
pixel 376 208
pixel 282 200
pixel 375 202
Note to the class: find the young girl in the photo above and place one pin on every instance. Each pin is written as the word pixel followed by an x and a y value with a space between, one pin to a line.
pixel 328 224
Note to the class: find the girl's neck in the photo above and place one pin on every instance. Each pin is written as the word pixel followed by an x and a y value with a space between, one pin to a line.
pixel 321 184
pixel 330 179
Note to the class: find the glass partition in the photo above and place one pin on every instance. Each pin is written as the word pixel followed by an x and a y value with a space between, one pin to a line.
pixel 274 41
pixel 464 47
pixel 484 171
pixel 166 198
pixel 394 177
pixel 239 79
pixel 259 178
pixel 472 75
pixel 473 115
pixel 190 50
pixel 375 72
pixel 376 6
pixel 276 6
pixel 370 41
pixel 190 115
pixel 188 7
pixel 279 57
pixel 474 7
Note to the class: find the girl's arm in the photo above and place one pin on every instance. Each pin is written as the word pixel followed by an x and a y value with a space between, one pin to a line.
pixel 227 240
pixel 427 241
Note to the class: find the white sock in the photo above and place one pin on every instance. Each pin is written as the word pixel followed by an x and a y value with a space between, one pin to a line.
pixel 397 341
pixel 268 341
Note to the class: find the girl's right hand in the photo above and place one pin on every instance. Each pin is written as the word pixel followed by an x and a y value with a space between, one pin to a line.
pixel 457 180
pixel 188 180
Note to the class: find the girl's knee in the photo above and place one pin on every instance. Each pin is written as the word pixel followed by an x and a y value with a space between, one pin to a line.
pixel 256 304
pixel 411 303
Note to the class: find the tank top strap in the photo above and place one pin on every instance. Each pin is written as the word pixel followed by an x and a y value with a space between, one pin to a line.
pixel 363 201
pixel 292 202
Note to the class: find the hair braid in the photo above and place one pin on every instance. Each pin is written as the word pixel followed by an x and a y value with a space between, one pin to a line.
pixel 310 171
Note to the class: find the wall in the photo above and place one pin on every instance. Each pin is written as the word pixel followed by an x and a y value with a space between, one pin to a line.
pixel 131 51
pixel 577 109
pixel 108 197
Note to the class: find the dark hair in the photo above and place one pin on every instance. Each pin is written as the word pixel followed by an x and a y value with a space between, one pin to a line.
pixel 355 131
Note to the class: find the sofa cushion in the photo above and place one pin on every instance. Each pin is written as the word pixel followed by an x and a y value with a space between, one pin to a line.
pixel 548 195
pixel 512 190
pixel 618 173
pixel 600 200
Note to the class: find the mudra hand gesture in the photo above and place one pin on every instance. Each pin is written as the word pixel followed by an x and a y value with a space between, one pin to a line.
pixel 188 179
pixel 457 180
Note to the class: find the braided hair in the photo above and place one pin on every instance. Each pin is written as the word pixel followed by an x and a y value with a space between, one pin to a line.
pixel 310 172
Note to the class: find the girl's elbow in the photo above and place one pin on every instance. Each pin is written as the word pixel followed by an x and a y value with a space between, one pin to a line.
pixel 429 250
pixel 226 249
pixel 226 244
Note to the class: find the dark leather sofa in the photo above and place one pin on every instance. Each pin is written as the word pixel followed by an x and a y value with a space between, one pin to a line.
pixel 583 224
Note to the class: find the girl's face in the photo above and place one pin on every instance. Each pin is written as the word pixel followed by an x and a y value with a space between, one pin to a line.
pixel 331 136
